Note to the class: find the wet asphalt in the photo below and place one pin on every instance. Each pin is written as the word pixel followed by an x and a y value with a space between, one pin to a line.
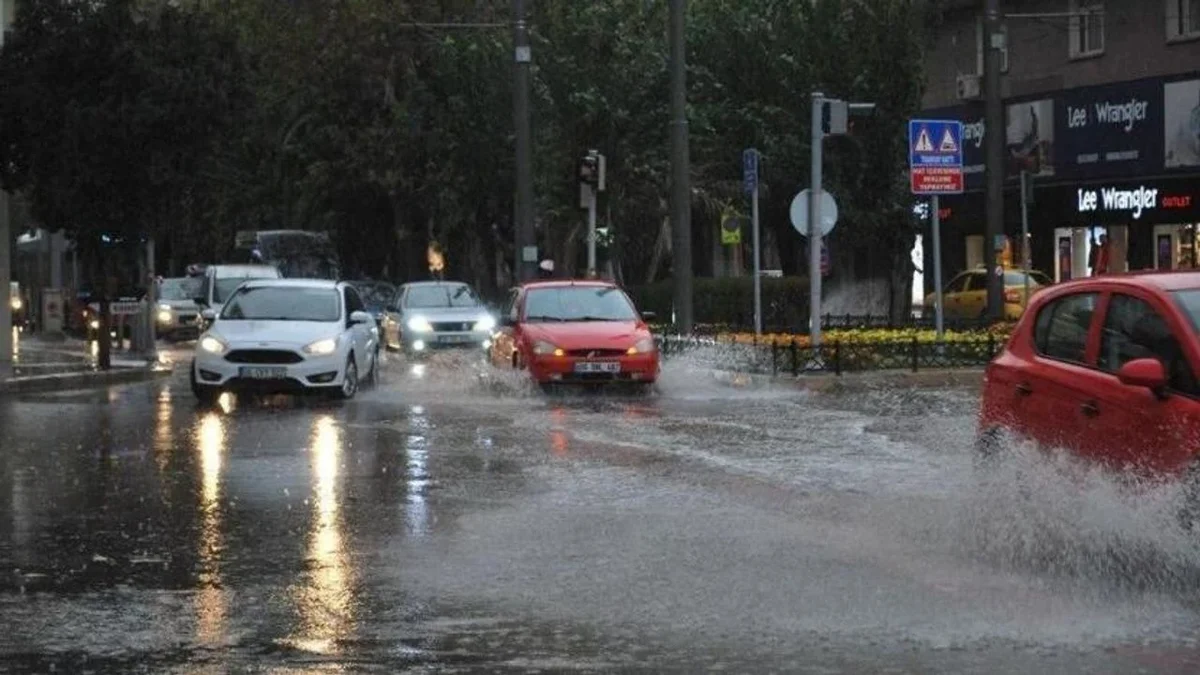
pixel 453 519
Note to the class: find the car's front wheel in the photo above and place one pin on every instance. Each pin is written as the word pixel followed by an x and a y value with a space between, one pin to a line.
pixel 349 381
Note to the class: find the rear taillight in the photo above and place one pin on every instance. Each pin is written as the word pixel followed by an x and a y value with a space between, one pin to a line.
pixel 1013 296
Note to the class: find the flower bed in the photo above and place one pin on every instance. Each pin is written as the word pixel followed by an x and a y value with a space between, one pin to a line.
pixel 998 332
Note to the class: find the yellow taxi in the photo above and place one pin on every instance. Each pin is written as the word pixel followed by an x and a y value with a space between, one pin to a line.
pixel 966 293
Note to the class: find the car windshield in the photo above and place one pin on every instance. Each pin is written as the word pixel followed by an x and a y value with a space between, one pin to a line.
pixel 1017 278
pixel 375 294
pixel 227 285
pixel 184 288
pixel 578 303
pixel 282 303
pixel 441 295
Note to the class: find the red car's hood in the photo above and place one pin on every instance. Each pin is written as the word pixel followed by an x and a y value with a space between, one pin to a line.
pixel 588 334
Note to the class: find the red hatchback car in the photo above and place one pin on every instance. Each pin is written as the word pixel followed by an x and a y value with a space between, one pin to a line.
pixel 575 332
pixel 1105 368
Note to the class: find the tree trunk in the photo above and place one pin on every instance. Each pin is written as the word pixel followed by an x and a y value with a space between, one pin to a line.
pixel 660 249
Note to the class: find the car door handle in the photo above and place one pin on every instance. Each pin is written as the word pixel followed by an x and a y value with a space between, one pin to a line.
pixel 1090 409
pixel 1024 389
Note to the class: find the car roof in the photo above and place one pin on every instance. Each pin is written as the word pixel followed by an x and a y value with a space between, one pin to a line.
pixel 446 282
pixel 235 270
pixel 1163 280
pixel 566 283
pixel 293 283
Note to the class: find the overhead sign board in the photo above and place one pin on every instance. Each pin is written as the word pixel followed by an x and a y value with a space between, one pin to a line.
pixel 935 156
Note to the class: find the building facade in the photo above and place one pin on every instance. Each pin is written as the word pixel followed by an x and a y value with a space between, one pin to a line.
pixel 1102 113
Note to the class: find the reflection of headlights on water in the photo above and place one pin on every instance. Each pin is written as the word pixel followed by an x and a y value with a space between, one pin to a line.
pixel 418 346
pixel 418 370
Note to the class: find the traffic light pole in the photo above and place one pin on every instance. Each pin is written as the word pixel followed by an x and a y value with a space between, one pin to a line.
pixel 591 236
pixel 993 157
pixel 6 345
pixel 681 199
pixel 816 138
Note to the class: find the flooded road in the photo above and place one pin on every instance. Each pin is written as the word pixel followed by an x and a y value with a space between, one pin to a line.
pixel 446 522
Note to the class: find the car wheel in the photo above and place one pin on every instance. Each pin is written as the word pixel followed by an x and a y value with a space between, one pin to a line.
pixel 207 396
pixel 349 381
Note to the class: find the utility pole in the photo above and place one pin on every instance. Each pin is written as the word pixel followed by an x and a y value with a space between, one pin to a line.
pixel 994 155
pixel 6 345
pixel 817 139
pixel 525 250
pixel 681 197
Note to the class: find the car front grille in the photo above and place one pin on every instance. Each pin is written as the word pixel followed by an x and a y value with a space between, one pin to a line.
pixel 261 356
pixel 595 353
pixel 452 326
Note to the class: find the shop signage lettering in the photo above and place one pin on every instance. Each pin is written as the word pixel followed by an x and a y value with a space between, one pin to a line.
pixel 1125 115
pixel 973 132
pixel 1113 199
pixel 1177 202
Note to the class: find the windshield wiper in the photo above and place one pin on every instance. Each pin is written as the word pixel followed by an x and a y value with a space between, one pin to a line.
pixel 597 318
pixel 545 318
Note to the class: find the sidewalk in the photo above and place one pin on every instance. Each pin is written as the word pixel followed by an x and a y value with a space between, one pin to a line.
pixel 43 365
pixel 936 378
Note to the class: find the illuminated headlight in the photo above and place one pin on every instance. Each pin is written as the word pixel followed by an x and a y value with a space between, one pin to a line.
pixel 420 324
pixel 164 307
pixel 643 346
pixel 487 323
pixel 16 304
pixel 322 347
pixel 95 324
pixel 164 316
pixel 543 348
pixel 212 345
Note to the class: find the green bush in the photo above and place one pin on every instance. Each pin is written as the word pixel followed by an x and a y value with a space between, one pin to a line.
pixel 729 301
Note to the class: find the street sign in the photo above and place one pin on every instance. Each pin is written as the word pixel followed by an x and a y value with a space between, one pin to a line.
pixel 750 169
pixel 799 212
pixel 935 156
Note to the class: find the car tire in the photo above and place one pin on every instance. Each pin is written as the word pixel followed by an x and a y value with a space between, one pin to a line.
pixel 205 395
pixel 350 382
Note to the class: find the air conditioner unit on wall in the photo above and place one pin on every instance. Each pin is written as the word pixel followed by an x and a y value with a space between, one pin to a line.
pixel 968 87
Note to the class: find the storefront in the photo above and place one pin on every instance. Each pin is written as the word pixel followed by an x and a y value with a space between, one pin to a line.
pixel 1118 163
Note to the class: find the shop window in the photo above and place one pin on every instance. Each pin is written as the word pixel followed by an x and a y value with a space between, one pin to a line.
pixel 1133 330
pixel 1183 19
pixel 1061 329
pixel 1086 28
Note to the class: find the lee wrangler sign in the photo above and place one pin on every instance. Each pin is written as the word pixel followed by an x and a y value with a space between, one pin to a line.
pixel 1132 202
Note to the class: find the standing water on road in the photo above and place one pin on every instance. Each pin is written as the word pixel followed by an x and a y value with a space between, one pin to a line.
pixel 456 517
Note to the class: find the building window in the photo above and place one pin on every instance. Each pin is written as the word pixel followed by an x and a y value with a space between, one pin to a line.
pixel 979 42
pixel 1183 19
pixel 1087 28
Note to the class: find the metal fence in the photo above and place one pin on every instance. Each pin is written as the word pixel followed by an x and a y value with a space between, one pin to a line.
pixel 796 357
pixel 842 322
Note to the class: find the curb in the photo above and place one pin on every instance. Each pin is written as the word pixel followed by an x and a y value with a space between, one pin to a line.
pixel 959 377
pixel 83 380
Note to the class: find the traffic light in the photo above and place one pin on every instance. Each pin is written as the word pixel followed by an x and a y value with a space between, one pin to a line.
pixel 591 170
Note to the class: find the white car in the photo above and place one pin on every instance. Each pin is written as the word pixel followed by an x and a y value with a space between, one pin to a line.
pixel 286 336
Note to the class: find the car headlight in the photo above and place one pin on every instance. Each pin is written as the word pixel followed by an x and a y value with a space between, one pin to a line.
pixel 543 348
pixel 164 316
pixel 164 307
pixel 94 324
pixel 16 304
pixel 643 346
pixel 322 347
pixel 487 323
pixel 420 324
pixel 212 345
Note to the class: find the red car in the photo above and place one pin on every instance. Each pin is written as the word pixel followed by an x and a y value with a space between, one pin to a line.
pixel 1105 368
pixel 575 332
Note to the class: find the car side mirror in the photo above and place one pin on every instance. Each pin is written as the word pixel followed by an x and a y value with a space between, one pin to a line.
pixel 199 301
pixel 360 317
pixel 208 315
pixel 1148 373
pixel 649 316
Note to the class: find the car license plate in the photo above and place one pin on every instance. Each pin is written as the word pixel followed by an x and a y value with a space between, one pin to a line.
pixel 263 373
pixel 454 339
pixel 598 367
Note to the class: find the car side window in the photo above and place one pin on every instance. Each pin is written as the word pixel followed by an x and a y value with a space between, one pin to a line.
pixel 957 284
pixel 1134 330
pixel 353 302
pixel 976 282
pixel 1061 328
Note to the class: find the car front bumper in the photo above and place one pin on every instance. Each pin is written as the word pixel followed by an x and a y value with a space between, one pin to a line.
pixel 419 342
pixel 635 368
pixel 312 373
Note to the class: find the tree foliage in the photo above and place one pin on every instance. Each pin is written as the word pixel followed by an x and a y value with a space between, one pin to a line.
pixel 389 124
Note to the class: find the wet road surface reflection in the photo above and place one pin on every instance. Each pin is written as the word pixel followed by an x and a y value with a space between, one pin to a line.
pixel 453 519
